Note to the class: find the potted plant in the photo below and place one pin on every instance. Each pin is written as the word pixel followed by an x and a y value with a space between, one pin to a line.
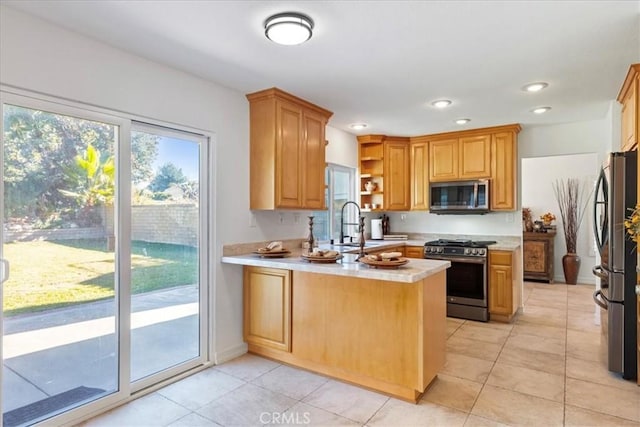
pixel 572 197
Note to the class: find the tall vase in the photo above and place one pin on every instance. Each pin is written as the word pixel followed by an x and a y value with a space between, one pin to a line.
pixel 571 267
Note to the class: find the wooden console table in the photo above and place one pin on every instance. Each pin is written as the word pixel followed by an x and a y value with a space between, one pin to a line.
pixel 538 255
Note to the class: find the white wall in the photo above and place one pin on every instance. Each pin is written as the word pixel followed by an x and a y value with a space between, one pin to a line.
pixel 342 148
pixel 538 177
pixel 40 57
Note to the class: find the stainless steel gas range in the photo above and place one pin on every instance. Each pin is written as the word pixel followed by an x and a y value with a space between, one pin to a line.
pixel 467 296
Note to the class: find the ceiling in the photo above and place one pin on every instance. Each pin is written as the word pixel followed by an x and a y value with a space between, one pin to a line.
pixel 384 62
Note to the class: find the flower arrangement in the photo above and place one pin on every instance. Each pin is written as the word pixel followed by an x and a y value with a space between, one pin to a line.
pixel 632 224
pixel 547 218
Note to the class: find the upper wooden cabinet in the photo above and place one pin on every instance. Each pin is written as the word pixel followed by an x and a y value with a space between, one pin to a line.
pixel 385 162
pixel 504 182
pixel 287 151
pixel 467 157
pixel 629 97
pixel 396 174
pixel 419 175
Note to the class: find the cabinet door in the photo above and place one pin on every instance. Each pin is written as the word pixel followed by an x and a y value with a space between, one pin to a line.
pixel 414 251
pixel 443 160
pixel 475 157
pixel 314 161
pixel 420 176
pixel 500 283
pixel 289 173
pixel 267 307
pixel 396 176
pixel 629 117
pixel 535 256
pixel 503 172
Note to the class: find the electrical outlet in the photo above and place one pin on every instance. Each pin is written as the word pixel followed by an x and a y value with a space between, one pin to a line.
pixel 252 221
pixel 296 218
pixel 509 217
pixel 281 218
pixel 403 217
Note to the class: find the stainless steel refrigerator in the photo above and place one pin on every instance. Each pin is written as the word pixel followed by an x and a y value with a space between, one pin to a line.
pixel 615 197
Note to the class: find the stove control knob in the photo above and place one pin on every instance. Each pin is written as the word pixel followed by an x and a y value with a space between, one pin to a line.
pixel 481 252
pixel 467 251
pixel 440 250
pixel 474 251
pixel 427 249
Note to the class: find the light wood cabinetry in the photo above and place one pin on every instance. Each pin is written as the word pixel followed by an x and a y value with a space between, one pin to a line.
pixel 443 160
pixel 504 295
pixel 401 249
pixel 414 251
pixel 629 97
pixel 267 307
pixel 419 173
pixel 287 151
pixel 467 157
pixel 475 157
pixel 453 156
pixel 504 182
pixel 384 161
pixel 396 174
pixel 538 256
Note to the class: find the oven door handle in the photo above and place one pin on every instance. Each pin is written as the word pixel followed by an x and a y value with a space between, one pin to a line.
pixel 469 260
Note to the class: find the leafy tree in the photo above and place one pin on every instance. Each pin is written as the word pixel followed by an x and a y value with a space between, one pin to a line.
pixel 167 174
pixel 39 146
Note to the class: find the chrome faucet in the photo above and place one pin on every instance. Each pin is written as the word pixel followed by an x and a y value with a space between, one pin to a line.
pixel 342 223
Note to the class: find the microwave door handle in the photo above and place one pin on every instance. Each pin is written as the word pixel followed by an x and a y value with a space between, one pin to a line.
pixel 475 195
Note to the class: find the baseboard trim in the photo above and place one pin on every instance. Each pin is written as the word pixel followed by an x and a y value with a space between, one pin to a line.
pixel 230 353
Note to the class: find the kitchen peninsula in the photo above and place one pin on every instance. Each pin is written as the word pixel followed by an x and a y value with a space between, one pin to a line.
pixel 381 329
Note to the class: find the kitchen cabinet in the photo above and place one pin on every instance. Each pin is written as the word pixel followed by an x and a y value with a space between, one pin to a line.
pixel 414 251
pixel 400 249
pixel 463 158
pixel 504 157
pixel 396 174
pixel 538 255
pixel 267 307
pixel 502 286
pixel 287 151
pixel 384 161
pixel 419 175
pixel 629 97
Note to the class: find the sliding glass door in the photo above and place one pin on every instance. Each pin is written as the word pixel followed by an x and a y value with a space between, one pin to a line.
pixel 105 237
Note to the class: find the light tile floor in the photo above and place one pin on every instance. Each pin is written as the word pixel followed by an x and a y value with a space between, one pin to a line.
pixel 547 369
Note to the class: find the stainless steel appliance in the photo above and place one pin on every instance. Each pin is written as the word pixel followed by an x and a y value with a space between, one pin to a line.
pixel 467 296
pixel 459 197
pixel 614 197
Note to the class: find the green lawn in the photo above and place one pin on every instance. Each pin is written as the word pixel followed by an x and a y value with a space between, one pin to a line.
pixel 48 274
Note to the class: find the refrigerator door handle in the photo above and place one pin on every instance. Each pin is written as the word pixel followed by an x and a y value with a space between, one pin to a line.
pixel 600 211
pixel 597 271
pixel 600 300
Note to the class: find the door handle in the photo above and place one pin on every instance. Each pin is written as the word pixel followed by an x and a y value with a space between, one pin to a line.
pixel 5 270
pixel 600 300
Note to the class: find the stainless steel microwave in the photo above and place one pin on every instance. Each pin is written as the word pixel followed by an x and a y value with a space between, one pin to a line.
pixel 459 197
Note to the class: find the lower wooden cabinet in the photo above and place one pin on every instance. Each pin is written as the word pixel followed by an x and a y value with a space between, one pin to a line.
pixel 267 307
pixel 414 251
pixel 503 292
pixel 538 256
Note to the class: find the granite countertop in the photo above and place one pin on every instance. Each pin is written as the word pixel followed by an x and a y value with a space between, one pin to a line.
pixel 413 271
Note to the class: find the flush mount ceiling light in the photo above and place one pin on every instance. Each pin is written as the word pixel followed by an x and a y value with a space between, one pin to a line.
pixel 288 28
pixel 441 103
pixel 540 110
pixel 535 87
pixel 462 121
pixel 358 126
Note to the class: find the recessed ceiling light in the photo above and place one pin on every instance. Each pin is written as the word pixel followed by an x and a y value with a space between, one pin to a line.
pixel 288 28
pixel 535 87
pixel 462 121
pixel 358 126
pixel 540 110
pixel 441 103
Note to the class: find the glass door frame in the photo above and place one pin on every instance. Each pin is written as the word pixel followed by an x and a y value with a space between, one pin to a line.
pixel 203 293
pixel 122 224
